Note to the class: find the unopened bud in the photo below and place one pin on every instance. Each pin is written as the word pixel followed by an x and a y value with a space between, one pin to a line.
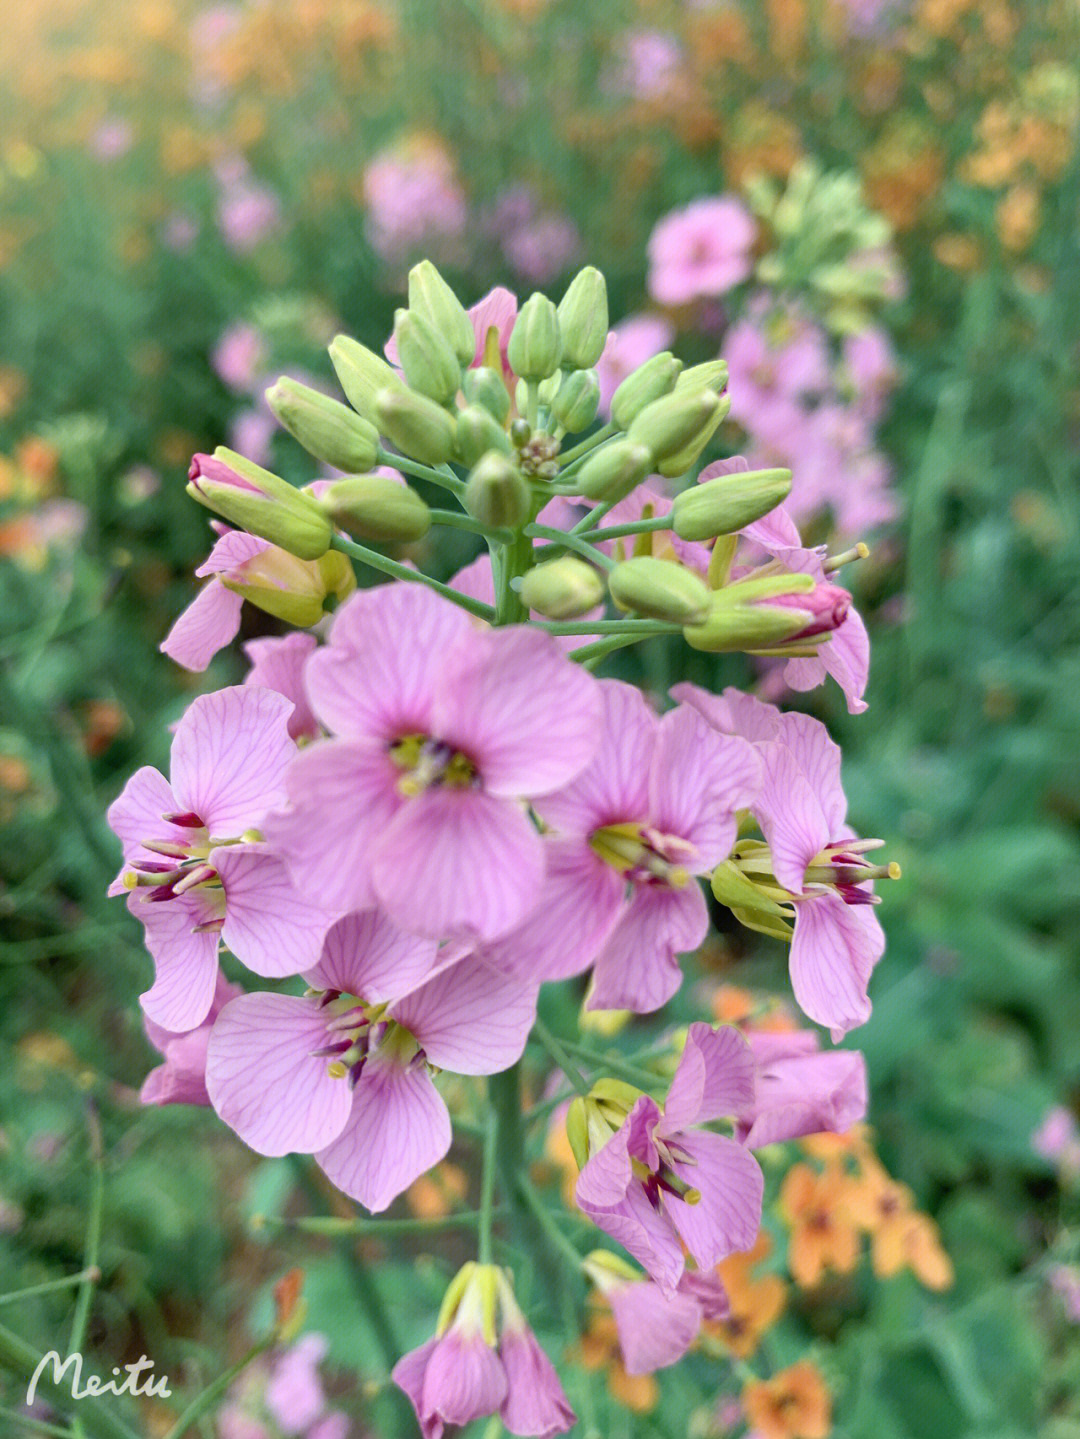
pixel 661 589
pixel 678 463
pixel 669 425
pixel 577 400
pixel 260 502
pixel 374 507
pixel 431 297
pixel 583 320
pixel 290 589
pixel 362 374
pixel 712 375
pixel 826 608
pixel 745 615
pixel 562 589
pixel 477 432
pixel 326 428
pixel 728 503
pixel 649 382
pixel 427 361
pixel 417 426
pixel 535 347
pixel 496 493
pixel 614 470
pixel 484 386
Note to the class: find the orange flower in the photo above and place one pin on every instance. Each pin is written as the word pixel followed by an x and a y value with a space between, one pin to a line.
pixel 755 1304
pixel 822 1233
pixel 793 1404
pixel 435 1194
pixel 902 1237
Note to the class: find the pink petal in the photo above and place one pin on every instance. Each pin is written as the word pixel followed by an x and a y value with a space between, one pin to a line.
pixel 715 1078
pixel 818 758
pixel 185 963
pixel 731 711
pixel 343 795
pixel 469 1019
pixel 833 952
pixel 535 1400
pixel 476 580
pixel 524 713
pixel 699 779
pixel 278 664
pixel 459 861
pixel 846 656
pixel 232 549
pixel 464 1380
pixel 808 1094
pixel 637 969
pixel 408 1374
pixel 608 1174
pixel 654 1330
pixel 790 814
pixel 399 1128
pixel 265 1080
pixel 229 757
pixel 498 310
pixel 364 954
pixel 182 1078
pixel 270 925
pixel 208 624
pixel 136 815
pixel 615 787
pixel 728 1217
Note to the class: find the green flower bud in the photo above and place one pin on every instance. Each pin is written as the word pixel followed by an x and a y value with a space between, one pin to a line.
pixel 290 589
pixel 477 432
pixel 583 320
pixel 375 507
pixel 577 400
pixel 562 589
pixel 362 374
pixel 535 347
pixel 497 493
pixel 678 463
pixel 428 362
pixel 669 425
pixel 650 381
pixel 326 428
pixel 727 503
pixel 614 470
pixel 260 502
pixel 712 375
pixel 661 589
pixel 740 617
pixel 431 297
pixel 484 386
pixel 417 426
pixel 577 1131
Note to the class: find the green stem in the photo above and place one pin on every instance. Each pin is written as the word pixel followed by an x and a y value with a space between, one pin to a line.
pixel 589 443
pixel 560 1056
pixel 515 559
pixel 630 1072
pixel 455 520
pixel 589 655
pixel 98 1417
pixel 15 1295
pixel 571 542
pixel 211 1396
pixel 487 1186
pixel 532 402
pixel 640 629
pixel 445 479
pixel 552 1233
pixel 596 514
pixel 504 1096
pixel 331 1227
pixel 33 1426
pixel 91 1272
pixel 634 527
pixel 399 571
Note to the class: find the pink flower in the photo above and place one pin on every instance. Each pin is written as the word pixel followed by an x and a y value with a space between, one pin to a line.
pixel 442 731
pixel 661 1181
pixel 239 357
pixel 656 1329
pixel 543 248
pixel 800 1091
pixel 344 1073
pixel 112 139
pixel 700 251
pixel 871 369
pixel 278 664
pixel 247 213
pixel 1058 1139
pixel 497 311
pixel 182 1078
pixel 413 199
pixel 294 1393
pixel 650 64
pixel 630 344
pixel 194 862
pixel 656 807
pixel 775 361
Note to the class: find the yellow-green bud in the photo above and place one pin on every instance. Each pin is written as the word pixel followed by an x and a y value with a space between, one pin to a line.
pixel 583 320
pixel 650 381
pixel 535 347
pixel 374 507
pixel 728 503
pixel 740 617
pixel 577 1132
pixel 431 297
pixel 496 493
pixel 260 502
pixel 477 432
pixel 326 428
pixel 428 362
pixel 484 386
pixel 678 463
pixel 614 470
pixel 417 426
pixel 362 374
pixel 661 589
pixel 712 375
pixel 562 589
pixel 669 425
pixel 290 589
pixel 577 400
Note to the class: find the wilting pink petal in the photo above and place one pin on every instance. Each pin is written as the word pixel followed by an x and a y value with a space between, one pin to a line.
pixel 364 954
pixel 535 1401
pixel 833 952
pixel 464 1380
pixel 715 1077
pixel 799 1093
pixel 270 925
pixel 209 623
pixel 654 1329
pixel 637 967
pixel 469 1019
pixel 278 664
pixel 229 756
pixel 727 1218
pixel 266 1082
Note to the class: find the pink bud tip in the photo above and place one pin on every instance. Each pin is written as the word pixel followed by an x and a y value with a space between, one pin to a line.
pixel 827 605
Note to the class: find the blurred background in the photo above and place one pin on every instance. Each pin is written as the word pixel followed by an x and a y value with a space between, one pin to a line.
pixel 194 199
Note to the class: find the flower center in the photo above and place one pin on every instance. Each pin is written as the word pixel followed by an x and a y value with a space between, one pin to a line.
pixel 184 864
pixel 643 854
pixel 425 762
pixel 355 1029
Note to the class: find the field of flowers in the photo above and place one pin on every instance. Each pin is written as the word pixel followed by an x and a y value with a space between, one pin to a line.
pixel 713 400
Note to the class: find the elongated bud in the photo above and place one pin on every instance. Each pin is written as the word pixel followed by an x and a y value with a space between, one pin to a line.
pixel 669 425
pixel 262 503
pixel 431 297
pixel 577 1132
pixel 417 426
pixel 290 589
pixel 678 463
pixel 362 374
pixel 428 362
pixel 661 589
pixel 562 589
pixel 650 381
pixel 826 608
pixel 326 428
pixel 484 386
pixel 577 400
pixel 477 432
pixel 583 320
pixel 496 493
pixel 728 503
pixel 374 507
pixel 745 615
pixel 712 375
pixel 535 347
pixel 614 470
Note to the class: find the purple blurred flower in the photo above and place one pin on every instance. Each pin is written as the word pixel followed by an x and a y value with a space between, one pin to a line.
pixel 701 251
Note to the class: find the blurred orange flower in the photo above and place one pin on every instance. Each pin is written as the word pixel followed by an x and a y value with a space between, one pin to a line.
pixel 793 1404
